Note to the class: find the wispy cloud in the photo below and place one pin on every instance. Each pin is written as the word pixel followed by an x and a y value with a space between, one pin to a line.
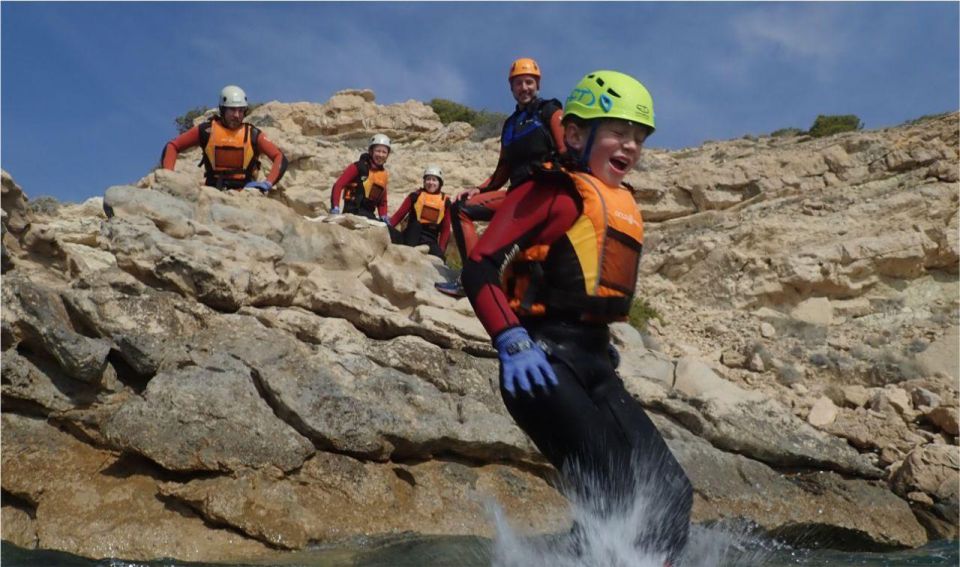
pixel 310 66
pixel 716 69
pixel 811 32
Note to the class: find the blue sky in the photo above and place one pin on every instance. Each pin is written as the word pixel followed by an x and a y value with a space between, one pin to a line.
pixel 89 91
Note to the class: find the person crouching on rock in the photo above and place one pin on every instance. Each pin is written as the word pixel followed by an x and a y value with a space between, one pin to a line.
pixel 363 184
pixel 231 147
pixel 427 211
pixel 556 265
pixel 529 136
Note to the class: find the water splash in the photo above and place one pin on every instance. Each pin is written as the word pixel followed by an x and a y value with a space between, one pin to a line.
pixel 626 530
pixel 608 542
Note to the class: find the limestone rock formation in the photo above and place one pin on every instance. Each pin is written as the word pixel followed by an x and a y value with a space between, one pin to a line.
pixel 248 375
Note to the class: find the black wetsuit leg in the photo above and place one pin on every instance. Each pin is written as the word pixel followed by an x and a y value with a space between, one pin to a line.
pixel 364 208
pixel 435 249
pixel 396 237
pixel 430 235
pixel 416 234
pixel 368 212
pixel 411 234
pixel 592 430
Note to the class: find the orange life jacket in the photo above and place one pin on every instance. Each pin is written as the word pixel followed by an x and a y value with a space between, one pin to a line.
pixel 430 207
pixel 374 184
pixel 229 155
pixel 591 272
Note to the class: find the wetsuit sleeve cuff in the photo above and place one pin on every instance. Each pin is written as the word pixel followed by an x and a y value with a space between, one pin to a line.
pixel 494 338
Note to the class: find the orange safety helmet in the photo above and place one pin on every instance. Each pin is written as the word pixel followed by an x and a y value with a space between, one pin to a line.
pixel 524 66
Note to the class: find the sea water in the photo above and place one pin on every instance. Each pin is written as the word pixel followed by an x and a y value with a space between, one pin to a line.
pixel 605 538
pixel 479 552
pixel 602 542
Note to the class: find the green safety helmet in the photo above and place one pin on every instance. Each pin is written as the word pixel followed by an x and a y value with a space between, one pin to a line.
pixel 611 94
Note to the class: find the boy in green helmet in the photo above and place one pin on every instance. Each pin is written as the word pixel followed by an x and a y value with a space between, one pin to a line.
pixel 556 266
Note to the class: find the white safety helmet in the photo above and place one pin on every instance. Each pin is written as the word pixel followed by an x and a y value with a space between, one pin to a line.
pixel 233 96
pixel 379 140
pixel 435 171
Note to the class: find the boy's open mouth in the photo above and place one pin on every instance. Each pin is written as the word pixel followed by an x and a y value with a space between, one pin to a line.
pixel 619 164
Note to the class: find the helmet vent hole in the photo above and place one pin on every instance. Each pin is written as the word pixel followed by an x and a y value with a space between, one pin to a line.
pixel 614 93
pixel 600 81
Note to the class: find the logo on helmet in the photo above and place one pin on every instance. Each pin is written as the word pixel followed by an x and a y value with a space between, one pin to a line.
pixel 605 103
pixel 579 95
pixel 644 110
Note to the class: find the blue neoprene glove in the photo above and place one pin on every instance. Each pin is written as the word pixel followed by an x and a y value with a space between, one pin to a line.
pixel 263 186
pixel 522 360
pixel 334 210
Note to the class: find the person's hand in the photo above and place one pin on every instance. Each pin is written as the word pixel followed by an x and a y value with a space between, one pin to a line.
pixel 385 219
pixel 522 361
pixel 263 186
pixel 466 194
pixel 334 210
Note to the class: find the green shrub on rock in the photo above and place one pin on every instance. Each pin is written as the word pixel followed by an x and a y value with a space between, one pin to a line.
pixel 486 124
pixel 450 111
pixel 827 125
pixel 185 121
pixel 641 313
pixel 786 132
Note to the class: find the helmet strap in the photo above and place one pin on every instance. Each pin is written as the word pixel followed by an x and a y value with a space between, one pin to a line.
pixel 588 147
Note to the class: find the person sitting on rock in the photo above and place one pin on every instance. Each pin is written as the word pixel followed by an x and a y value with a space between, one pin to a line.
pixel 529 136
pixel 231 147
pixel 556 265
pixel 427 213
pixel 363 184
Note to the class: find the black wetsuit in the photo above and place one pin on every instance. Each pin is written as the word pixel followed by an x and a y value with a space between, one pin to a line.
pixel 434 235
pixel 350 186
pixel 588 426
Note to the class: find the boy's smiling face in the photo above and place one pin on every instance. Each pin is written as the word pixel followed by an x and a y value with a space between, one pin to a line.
pixel 616 147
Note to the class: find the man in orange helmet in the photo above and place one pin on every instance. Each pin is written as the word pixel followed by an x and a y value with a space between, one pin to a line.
pixel 529 136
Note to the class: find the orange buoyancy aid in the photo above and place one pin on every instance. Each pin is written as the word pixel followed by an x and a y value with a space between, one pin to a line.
pixel 229 154
pixel 591 271
pixel 374 183
pixel 430 207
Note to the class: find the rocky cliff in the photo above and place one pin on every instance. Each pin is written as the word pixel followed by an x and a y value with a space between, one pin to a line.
pixel 213 376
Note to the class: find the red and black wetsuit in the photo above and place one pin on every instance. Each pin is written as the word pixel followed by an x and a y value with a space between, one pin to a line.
pixel 527 138
pixel 198 136
pixel 588 426
pixel 416 233
pixel 352 180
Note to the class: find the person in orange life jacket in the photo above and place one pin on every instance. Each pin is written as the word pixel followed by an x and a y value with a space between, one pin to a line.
pixel 528 137
pixel 556 265
pixel 363 184
pixel 427 213
pixel 231 147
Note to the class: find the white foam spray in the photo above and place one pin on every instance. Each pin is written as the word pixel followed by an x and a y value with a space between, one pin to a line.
pixel 606 532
